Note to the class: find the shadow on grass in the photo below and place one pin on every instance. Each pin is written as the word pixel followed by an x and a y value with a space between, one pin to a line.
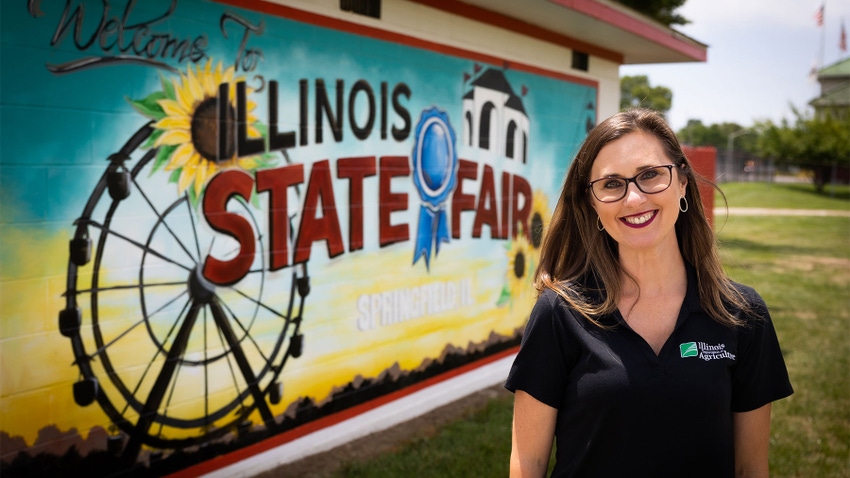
pixel 839 192
pixel 745 246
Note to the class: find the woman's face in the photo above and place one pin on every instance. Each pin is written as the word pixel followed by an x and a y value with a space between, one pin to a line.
pixel 639 222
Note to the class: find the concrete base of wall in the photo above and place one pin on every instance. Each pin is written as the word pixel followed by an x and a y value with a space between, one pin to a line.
pixel 372 421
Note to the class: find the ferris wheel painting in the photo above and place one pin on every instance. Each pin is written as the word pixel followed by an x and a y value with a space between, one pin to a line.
pixel 205 358
pixel 257 231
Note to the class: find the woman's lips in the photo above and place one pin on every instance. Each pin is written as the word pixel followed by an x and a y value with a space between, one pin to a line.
pixel 639 220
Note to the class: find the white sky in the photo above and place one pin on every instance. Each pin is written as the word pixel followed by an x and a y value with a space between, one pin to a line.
pixel 760 53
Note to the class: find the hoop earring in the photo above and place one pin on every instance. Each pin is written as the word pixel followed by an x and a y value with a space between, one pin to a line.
pixel 685 208
pixel 599 224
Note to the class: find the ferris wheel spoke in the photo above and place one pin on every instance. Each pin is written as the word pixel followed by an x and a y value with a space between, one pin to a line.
pixel 194 223
pixel 228 360
pixel 168 304
pixel 128 286
pixel 241 361
pixel 247 333
pixel 163 380
pixel 259 303
pixel 138 244
pixel 159 215
pixel 141 380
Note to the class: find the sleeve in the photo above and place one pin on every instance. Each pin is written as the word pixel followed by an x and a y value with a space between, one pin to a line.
pixel 544 360
pixel 759 375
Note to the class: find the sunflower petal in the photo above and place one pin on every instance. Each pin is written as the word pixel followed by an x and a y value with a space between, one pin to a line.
pixel 173 108
pixel 181 156
pixel 174 122
pixel 174 136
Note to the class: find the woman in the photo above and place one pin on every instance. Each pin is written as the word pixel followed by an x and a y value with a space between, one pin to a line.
pixel 641 357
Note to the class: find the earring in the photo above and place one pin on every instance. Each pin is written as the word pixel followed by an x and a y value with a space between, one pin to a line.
pixel 685 207
pixel 599 224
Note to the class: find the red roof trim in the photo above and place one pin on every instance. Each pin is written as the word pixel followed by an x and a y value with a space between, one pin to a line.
pixel 654 33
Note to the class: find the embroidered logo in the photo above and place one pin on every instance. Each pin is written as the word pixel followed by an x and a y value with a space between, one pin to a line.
pixel 688 349
pixel 705 351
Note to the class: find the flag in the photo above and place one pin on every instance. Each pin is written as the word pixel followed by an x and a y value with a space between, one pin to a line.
pixel 819 16
pixel 842 42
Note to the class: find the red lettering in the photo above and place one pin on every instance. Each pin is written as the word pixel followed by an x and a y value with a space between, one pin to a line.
pixel 487 212
pixel 519 216
pixel 314 228
pixel 461 201
pixel 389 202
pixel 506 204
pixel 276 182
pixel 355 170
pixel 219 191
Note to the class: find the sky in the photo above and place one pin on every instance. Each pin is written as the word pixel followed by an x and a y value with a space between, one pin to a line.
pixel 760 54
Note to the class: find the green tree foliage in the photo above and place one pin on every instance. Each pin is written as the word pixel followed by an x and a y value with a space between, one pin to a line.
pixel 818 144
pixel 636 91
pixel 663 11
pixel 717 135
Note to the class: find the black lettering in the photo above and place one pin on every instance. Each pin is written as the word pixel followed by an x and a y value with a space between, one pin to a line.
pixel 248 62
pixel 384 98
pixel 400 134
pixel 277 141
pixel 302 101
pixel 323 105
pixel 361 133
pixel 245 146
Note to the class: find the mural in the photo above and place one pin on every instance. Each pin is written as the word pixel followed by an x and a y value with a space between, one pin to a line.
pixel 219 223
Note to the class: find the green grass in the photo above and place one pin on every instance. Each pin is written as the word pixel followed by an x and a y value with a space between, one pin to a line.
pixel 784 195
pixel 801 266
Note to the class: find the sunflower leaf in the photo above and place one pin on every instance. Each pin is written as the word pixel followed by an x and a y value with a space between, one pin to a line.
pixel 167 88
pixel 505 297
pixel 175 176
pixel 193 197
pixel 151 141
pixel 149 106
pixel 162 157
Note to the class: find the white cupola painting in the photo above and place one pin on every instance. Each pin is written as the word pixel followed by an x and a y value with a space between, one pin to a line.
pixel 494 118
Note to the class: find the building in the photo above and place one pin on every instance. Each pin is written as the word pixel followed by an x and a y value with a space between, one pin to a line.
pixel 238 232
pixel 834 89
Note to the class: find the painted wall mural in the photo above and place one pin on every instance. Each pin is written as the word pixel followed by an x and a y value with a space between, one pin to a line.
pixel 219 223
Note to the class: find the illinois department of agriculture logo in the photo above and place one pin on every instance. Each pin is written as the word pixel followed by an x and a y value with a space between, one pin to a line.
pixel 689 349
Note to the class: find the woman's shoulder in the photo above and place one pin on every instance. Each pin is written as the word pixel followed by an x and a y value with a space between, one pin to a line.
pixel 751 297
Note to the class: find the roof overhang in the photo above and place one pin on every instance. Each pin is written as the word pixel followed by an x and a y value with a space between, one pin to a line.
pixel 598 27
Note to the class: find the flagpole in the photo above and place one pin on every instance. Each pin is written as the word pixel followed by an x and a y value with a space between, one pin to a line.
pixel 822 34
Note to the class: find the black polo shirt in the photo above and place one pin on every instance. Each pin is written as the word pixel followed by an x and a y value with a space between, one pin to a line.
pixel 623 411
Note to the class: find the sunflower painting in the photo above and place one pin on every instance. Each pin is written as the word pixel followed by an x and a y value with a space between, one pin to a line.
pixel 539 220
pixel 186 127
pixel 518 274
pixel 524 251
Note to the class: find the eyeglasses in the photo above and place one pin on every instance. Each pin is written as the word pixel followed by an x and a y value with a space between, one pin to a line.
pixel 650 181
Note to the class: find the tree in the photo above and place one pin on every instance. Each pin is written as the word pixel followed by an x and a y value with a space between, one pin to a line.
pixel 636 91
pixel 663 11
pixel 717 135
pixel 818 144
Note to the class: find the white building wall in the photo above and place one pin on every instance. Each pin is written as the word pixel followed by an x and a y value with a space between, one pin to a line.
pixel 421 21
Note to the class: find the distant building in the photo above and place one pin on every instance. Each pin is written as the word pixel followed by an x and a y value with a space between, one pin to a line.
pixel 834 89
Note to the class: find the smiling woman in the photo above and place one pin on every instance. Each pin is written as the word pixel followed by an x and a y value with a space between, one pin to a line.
pixel 637 329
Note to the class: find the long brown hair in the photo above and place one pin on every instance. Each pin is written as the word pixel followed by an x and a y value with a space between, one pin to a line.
pixel 574 252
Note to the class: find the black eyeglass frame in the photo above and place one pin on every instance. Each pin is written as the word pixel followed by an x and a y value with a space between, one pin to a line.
pixel 633 179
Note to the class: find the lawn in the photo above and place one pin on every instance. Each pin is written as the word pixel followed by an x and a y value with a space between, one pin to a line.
pixel 801 266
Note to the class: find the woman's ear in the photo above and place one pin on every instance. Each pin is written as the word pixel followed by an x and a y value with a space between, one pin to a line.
pixel 683 176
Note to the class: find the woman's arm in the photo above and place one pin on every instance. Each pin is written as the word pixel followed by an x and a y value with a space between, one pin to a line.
pixel 752 442
pixel 532 437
